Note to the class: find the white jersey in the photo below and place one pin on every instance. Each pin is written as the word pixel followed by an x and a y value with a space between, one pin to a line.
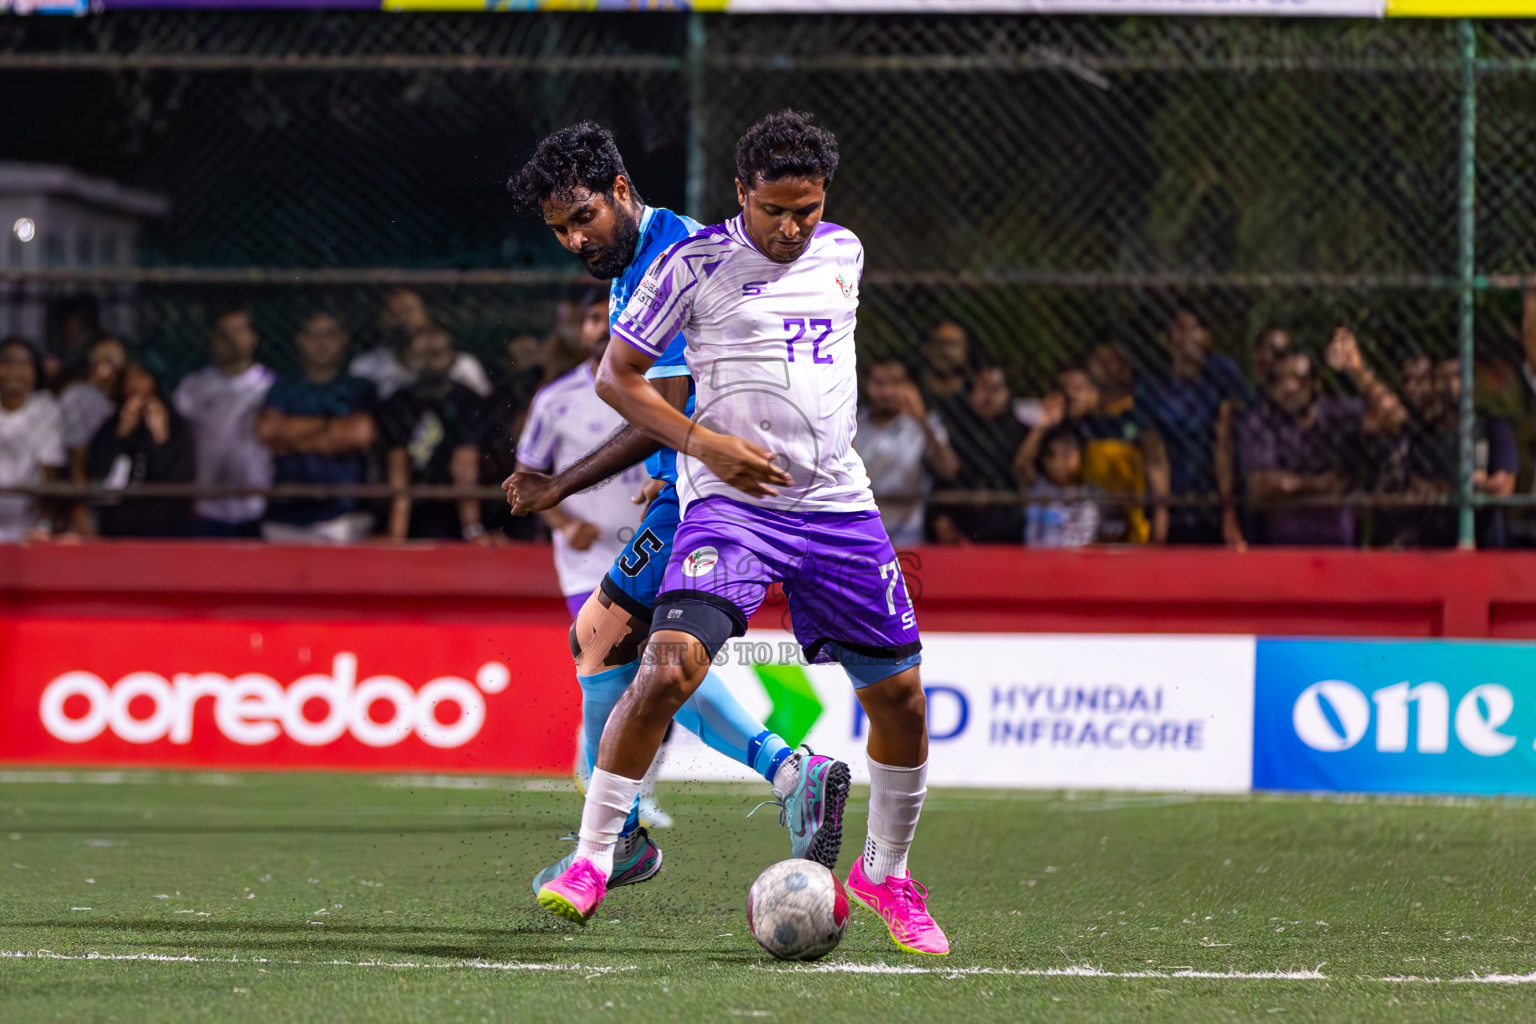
pixel 770 347
pixel 221 411
pixel 567 420
pixel 31 437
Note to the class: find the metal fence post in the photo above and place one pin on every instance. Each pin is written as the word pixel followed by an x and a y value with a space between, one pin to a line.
pixel 694 199
pixel 1466 268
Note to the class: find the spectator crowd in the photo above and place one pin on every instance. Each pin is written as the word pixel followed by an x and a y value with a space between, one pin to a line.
pixel 1304 447
pixel 412 411
pixel 1315 448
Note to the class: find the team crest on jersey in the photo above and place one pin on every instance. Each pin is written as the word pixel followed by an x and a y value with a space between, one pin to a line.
pixel 700 561
pixel 846 286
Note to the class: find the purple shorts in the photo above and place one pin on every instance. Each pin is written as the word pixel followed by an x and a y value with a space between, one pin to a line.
pixel 573 603
pixel 840 574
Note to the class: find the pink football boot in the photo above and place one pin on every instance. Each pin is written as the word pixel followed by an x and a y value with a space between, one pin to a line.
pixel 900 903
pixel 575 893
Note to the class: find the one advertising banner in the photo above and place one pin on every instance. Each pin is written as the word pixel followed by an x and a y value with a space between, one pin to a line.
pixel 1007 710
pixel 1385 716
pixel 390 697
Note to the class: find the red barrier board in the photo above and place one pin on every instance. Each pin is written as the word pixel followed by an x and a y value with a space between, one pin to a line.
pixel 264 694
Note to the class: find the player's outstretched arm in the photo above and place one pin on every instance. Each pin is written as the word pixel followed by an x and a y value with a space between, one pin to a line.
pixel 622 384
pixel 535 492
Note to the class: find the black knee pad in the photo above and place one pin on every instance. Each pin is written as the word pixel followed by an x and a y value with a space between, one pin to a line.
pixel 709 619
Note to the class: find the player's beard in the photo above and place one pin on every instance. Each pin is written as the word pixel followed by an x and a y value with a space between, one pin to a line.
pixel 606 262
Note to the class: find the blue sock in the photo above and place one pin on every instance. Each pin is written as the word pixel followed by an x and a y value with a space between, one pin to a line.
pixel 715 716
pixel 599 694
pixel 767 751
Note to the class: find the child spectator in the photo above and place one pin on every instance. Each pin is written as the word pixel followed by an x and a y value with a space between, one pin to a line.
pixel 1123 455
pixel 319 426
pixel 220 403
pixel 903 446
pixel 1064 510
pixel 145 442
pixel 431 430
pixel 31 438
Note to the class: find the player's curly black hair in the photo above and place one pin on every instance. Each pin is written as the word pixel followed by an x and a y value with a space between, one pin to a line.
pixel 786 144
pixel 581 156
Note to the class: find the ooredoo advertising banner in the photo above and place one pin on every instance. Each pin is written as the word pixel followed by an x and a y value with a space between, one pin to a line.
pixel 1434 716
pixel 451 697
pixel 1167 713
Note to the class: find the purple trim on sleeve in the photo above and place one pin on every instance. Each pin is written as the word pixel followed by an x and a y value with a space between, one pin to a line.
pixel 664 316
pixel 636 342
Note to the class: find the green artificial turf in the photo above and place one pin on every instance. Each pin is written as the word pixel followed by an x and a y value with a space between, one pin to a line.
pixel 353 897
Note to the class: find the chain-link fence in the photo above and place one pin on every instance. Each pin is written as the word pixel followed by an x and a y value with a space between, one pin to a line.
pixel 1108 235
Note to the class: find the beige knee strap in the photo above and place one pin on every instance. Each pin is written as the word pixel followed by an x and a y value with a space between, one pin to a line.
pixel 605 636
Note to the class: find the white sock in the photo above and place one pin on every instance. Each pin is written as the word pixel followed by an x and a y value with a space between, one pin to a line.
pixel 609 798
pixel 895 803
pixel 787 775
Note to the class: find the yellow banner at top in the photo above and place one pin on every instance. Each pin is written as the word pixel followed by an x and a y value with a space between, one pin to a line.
pixel 1461 8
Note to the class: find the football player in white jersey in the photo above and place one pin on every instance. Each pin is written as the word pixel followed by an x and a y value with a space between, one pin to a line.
pixel 577 183
pixel 772 491
pixel 565 421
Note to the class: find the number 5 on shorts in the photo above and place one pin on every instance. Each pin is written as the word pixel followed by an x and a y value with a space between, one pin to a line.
pixel 891 571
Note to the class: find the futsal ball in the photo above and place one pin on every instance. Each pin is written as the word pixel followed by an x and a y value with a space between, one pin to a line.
pixel 797 910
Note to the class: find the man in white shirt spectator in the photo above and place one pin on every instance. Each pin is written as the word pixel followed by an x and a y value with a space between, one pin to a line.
pixel 403 317
pixel 31 438
pixel 220 403
pixel 904 446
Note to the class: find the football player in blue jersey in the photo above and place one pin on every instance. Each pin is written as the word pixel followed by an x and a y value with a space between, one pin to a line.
pixel 577 183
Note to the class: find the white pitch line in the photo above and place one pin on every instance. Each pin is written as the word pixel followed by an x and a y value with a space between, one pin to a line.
pixel 1058 972
pixel 831 968
pixel 479 965
pixel 1172 975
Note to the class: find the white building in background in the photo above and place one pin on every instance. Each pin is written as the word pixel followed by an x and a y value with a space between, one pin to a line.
pixel 56 218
